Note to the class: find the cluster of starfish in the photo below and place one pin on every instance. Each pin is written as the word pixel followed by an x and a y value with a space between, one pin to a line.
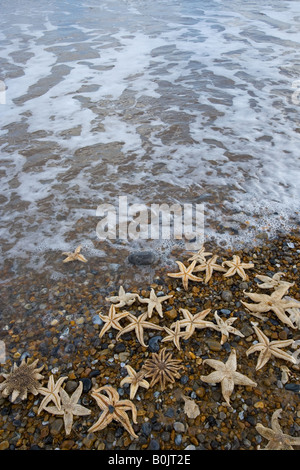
pixel 186 273
pixel 162 368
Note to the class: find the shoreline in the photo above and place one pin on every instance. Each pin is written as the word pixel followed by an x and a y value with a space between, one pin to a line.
pixel 57 323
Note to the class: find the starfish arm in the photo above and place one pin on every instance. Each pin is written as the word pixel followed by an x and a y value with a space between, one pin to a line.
pixel 54 410
pixel 126 329
pixel 294 441
pixel 104 329
pixel 80 410
pixel 133 390
pixel 230 272
pixel 105 418
pixel 124 420
pixel 231 361
pixel 101 400
pixel 241 379
pixel 267 433
pixel 44 403
pixel 213 377
pixel 282 316
pixel 218 365
pixel 82 258
pixel 263 358
pixel 255 348
pixel 283 355
pixel 257 308
pixel 227 386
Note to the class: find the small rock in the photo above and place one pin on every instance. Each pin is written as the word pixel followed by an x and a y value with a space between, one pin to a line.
pixel 154 445
pixel 154 343
pixel 179 427
pixel 214 345
pixel 56 427
pixel 178 440
pixel 119 347
pixel 226 295
pixel 4 445
pixel 71 386
pixel 146 428
pixel 293 387
pixel 140 258
pixel 87 384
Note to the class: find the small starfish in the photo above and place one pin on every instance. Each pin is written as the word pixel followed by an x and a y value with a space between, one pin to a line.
pixel 155 302
pixel 185 273
pixel 267 348
pixel 74 256
pixel 273 282
pixel 51 393
pixel 224 326
pixel 272 302
pixel 113 409
pixel 278 440
pixel 209 266
pixel 112 320
pixel 227 375
pixel 235 266
pixel 123 298
pixel 138 324
pixel 200 255
pixel 193 322
pixel 69 407
pixel 174 334
pixel 135 379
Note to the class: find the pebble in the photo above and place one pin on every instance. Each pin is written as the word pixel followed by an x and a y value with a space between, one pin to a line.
pixel 87 384
pixel 154 343
pixel 226 295
pixel 179 427
pixel 214 345
pixel 154 445
pixel 140 258
pixel 56 427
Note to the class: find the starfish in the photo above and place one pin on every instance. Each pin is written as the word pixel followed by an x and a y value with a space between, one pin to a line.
pixel 235 266
pixel 185 273
pixel 267 348
pixel 272 302
pixel 112 320
pixel 155 302
pixel 200 255
pixel 224 326
pixel 277 439
pixel 135 379
pixel 69 407
pixel 209 266
pixel 273 282
pixel 74 256
pixel 227 375
pixel 138 324
pixel 51 393
pixel 21 380
pixel 193 322
pixel 162 368
pixel 123 298
pixel 113 409
pixel 174 334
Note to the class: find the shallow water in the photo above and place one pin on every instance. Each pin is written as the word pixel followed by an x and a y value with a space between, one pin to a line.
pixel 192 102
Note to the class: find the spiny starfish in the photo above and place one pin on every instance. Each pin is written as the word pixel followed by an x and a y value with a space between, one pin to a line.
pixel 112 320
pixel 273 282
pixel 272 302
pixel 224 327
pixel 192 322
pixel 227 375
pixel 162 368
pixel 155 302
pixel 123 298
pixel 138 324
pixel 209 266
pixel 113 409
pixel 185 273
pixel 51 393
pixel 21 380
pixel 69 407
pixel 278 440
pixel 174 334
pixel 200 255
pixel 135 379
pixel 237 267
pixel 74 256
pixel 267 349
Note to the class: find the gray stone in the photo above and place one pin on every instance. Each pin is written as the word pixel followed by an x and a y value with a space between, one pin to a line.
pixel 179 427
pixel 226 295
pixel 140 258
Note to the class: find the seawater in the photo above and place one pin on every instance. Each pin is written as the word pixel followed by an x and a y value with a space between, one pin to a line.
pixel 163 102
